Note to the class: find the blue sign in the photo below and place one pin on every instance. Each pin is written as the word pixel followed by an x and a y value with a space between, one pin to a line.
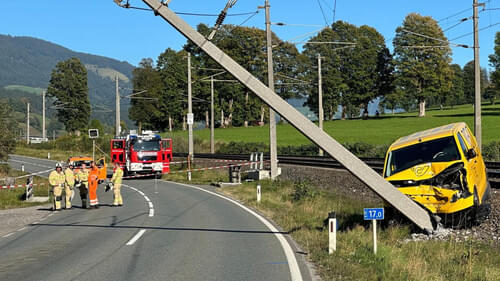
pixel 373 213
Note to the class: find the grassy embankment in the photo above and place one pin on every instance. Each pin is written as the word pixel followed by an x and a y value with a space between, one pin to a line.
pixel 380 131
pixel 12 198
pixel 301 210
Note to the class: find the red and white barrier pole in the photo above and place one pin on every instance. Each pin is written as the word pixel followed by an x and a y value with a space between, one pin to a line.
pixel 332 232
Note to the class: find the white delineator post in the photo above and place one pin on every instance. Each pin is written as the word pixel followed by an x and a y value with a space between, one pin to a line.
pixel 48 155
pixel 258 193
pixel 332 232
pixel 374 236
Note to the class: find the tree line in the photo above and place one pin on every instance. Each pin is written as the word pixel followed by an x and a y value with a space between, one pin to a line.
pixel 357 68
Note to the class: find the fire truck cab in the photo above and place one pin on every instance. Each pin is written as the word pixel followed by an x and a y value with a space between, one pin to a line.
pixel 145 153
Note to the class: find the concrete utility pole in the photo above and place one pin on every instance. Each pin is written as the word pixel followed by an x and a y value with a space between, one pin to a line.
pixel 212 133
pixel 44 133
pixel 358 168
pixel 117 108
pixel 270 77
pixel 28 123
pixel 190 109
pixel 477 78
pixel 320 99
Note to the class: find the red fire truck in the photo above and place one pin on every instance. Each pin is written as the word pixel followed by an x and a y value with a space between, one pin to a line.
pixel 146 153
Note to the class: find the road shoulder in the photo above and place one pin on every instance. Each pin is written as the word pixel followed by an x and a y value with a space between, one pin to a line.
pixel 13 219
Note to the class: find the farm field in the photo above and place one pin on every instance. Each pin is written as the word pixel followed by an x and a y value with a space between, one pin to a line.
pixel 378 131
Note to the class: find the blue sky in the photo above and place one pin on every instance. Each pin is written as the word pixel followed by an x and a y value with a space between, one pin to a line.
pixel 100 27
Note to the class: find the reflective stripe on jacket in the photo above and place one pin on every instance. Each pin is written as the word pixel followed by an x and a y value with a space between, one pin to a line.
pixel 56 179
pixel 117 176
pixel 83 175
pixel 70 177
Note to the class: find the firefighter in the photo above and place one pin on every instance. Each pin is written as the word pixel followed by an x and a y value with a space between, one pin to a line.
pixel 69 184
pixel 56 181
pixel 82 177
pixel 93 182
pixel 117 183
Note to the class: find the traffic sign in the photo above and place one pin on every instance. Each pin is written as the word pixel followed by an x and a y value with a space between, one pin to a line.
pixel 190 118
pixel 373 213
pixel 93 133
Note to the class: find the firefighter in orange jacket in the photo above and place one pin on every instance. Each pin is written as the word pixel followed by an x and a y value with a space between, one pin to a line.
pixel 93 181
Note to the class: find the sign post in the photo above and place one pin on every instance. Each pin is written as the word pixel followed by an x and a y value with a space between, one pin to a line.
pixel 374 214
pixel 93 134
pixel 332 232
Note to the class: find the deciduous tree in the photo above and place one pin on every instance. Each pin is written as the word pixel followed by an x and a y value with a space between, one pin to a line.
pixel 422 59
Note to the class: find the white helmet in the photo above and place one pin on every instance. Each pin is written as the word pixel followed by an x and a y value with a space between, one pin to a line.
pixel 58 165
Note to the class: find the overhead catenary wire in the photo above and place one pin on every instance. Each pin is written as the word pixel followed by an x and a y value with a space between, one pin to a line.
pixel 193 14
pixel 470 33
pixel 454 15
pixel 457 24
pixel 436 39
pixel 323 13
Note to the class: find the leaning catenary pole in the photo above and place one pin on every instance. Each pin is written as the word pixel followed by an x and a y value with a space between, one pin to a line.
pixel 372 179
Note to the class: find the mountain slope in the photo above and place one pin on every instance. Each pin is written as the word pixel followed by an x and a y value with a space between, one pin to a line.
pixel 28 61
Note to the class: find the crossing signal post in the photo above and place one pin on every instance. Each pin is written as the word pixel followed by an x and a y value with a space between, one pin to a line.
pixel 93 134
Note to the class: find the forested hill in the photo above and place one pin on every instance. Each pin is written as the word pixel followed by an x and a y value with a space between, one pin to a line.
pixel 28 61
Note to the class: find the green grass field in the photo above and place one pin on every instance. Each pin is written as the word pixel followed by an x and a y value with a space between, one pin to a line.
pixel 382 130
pixel 24 89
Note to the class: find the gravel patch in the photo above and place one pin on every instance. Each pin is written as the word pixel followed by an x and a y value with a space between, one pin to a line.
pixel 14 219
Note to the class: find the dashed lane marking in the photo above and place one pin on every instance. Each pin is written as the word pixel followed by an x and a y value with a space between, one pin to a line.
pixel 136 237
pixel 150 204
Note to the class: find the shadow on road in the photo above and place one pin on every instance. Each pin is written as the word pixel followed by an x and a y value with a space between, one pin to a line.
pixel 160 228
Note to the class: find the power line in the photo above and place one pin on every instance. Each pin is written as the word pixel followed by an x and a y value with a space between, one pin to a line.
pixel 481 29
pixel 322 12
pixel 334 10
pixel 434 38
pixel 454 15
pixel 457 24
pixel 193 14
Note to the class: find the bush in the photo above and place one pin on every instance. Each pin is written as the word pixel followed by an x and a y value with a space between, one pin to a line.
pixel 491 151
pixel 359 149
pixel 303 190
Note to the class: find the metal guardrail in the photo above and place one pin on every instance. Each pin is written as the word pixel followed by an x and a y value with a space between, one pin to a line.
pixel 376 164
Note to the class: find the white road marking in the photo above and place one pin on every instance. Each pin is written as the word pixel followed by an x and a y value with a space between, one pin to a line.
pixel 7 235
pixel 136 237
pixel 21 229
pixel 290 256
pixel 35 222
pixel 150 204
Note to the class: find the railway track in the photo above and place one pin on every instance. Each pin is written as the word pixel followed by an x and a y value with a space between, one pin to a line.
pixel 376 164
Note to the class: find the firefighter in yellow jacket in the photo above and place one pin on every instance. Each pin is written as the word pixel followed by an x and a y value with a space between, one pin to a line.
pixel 82 176
pixel 117 184
pixel 69 184
pixel 56 181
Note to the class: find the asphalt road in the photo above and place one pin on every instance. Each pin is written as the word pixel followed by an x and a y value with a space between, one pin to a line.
pixel 164 231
